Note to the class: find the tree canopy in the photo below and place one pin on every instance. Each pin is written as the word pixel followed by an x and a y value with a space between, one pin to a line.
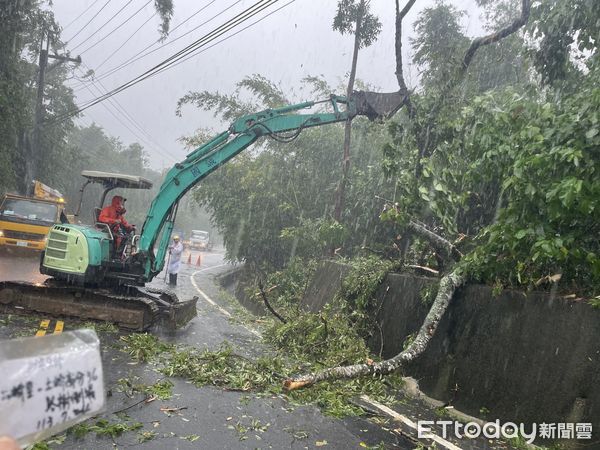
pixel 491 159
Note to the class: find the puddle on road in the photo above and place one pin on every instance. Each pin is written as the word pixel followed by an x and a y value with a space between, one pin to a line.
pixel 20 266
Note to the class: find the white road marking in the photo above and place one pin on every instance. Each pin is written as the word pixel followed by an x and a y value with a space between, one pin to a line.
pixel 208 268
pixel 211 301
pixel 406 421
pixel 206 297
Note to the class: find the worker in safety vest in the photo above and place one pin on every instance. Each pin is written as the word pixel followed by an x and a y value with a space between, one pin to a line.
pixel 113 215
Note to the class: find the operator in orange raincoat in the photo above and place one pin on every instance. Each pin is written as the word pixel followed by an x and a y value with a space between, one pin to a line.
pixel 113 215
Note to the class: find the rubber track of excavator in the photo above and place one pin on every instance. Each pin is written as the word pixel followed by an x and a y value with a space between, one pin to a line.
pixel 136 309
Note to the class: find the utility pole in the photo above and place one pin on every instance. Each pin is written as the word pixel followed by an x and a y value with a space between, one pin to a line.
pixel 34 144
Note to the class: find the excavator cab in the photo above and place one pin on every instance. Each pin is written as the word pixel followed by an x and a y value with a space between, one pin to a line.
pixel 84 254
pixel 109 182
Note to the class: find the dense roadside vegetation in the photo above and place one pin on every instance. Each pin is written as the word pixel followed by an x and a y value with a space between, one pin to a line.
pixel 487 174
pixel 497 155
pixel 500 160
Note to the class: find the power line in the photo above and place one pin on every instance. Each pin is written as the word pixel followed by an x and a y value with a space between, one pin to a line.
pixel 135 123
pixel 80 15
pixel 102 26
pixel 133 132
pixel 250 12
pixel 227 37
pixel 126 41
pixel 138 55
pixel 119 26
pixel 89 21
pixel 195 53
pixel 131 60
pixel 120 109
pixel 219 31
pixel 123 111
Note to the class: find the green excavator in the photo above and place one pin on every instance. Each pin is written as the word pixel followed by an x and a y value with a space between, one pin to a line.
pixel 90 280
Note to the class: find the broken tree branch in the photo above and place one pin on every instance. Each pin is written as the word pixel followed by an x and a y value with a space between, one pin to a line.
pixel 448 285
pixel 435 239
pixel 263 294
pixel 476 44
pixel 495 37
pixel 423 269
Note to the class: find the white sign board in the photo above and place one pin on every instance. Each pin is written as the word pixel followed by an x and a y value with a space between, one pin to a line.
pixel 49 383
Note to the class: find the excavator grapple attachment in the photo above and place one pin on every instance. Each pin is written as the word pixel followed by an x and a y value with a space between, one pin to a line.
pixel 378 105
pixel 132 308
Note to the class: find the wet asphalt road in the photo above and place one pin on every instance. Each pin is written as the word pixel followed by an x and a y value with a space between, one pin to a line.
pixel 209 417
pixel 20 265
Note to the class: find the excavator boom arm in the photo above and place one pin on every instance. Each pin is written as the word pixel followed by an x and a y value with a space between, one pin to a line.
pixel 210 156
pixel 241 134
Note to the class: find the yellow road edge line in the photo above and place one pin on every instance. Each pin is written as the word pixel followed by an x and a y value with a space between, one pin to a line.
pixel 44 324
pixel 59 327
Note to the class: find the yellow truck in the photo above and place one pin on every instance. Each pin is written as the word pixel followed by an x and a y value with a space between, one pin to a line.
pixel 25 221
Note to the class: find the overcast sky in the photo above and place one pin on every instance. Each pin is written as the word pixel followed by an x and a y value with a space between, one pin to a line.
pixel 290 44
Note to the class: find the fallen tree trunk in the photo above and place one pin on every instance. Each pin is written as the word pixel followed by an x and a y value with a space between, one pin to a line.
pixel 448 285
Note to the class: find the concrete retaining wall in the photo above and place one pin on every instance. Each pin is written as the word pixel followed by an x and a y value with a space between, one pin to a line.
pixel 235 283
pixel 524 357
